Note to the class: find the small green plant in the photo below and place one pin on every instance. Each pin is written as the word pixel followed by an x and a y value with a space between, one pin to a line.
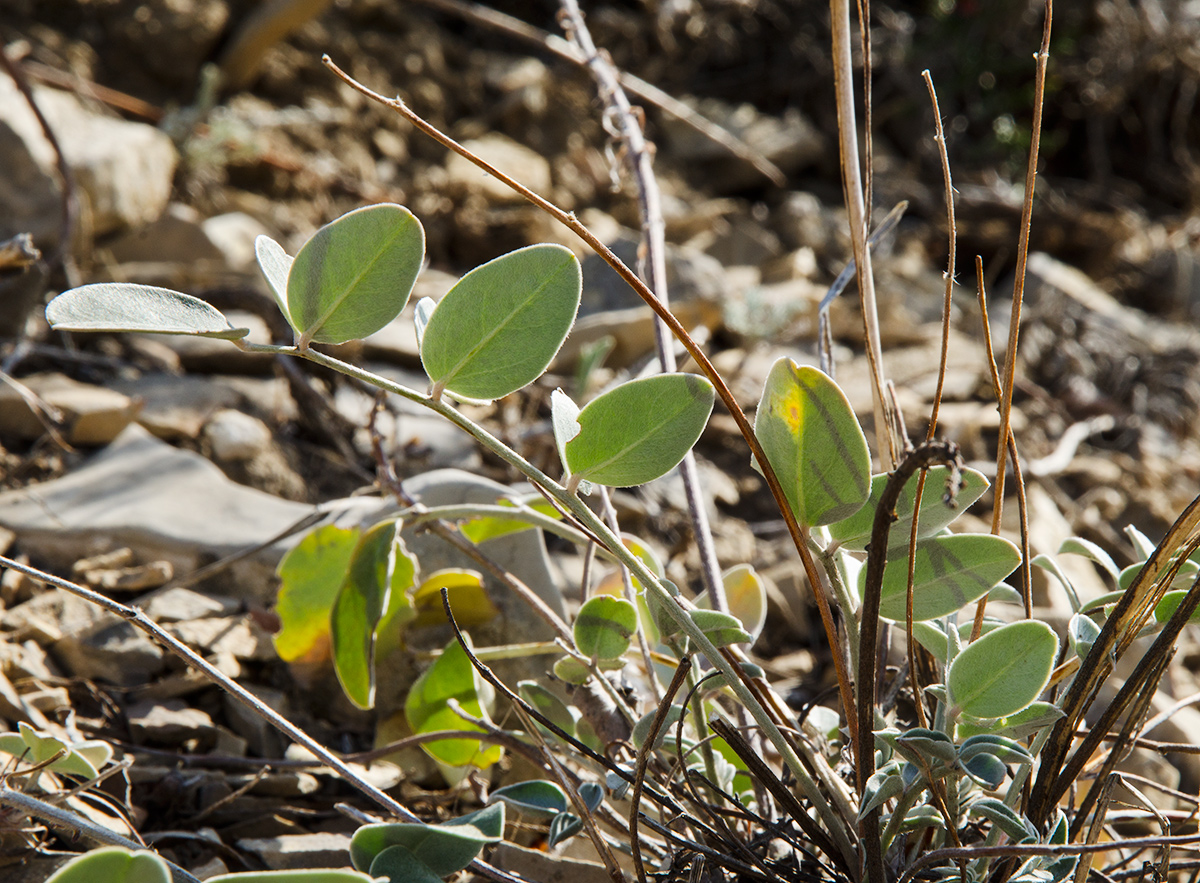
pixel 969 779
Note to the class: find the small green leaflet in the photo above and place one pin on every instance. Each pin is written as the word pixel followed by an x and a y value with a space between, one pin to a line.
pixel 445 849
pixel 950 571
pixel 855 532
pixel 813 441
pixel 604 627
pixel 639 431
pixel 354 275
pixel 1005 670
pixel 426 708
pixel 501 325
pixel 123 306
pixel 310 575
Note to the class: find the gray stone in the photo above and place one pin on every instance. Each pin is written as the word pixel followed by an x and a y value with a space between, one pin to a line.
pixel 234 435
pixel 233 234
pixel 300 851
pixel 90 415
pixel 165 504
pixel 691 275
pixel 527 166
pixel 264 740
pixel 239 636
pixel 168 723
pixel 110 650
pixel 209 355
pixel 179 604
pixel 123 169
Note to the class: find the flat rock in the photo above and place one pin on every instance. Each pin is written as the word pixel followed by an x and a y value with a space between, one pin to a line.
pixel 234 435
pixel 300 851
pixel 239 636
pixel 208 355
pixel 179 604
pixel 178 406
pixel 164 503
pixel 110 650
pixel 168 723
pixel 123 169
pixel 91 415
pixel 29 191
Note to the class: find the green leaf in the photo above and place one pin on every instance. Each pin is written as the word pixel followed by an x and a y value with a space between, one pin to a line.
pixel 113 864
pixel 854 533
pixel 883 785
pixel 355 274
pixel 722 629
pixel 986 769
pixel 468 598
pixel 1021 725
pixel 427 709
pixel 310 576
pixel 640 430
pixel 1005 670
pixel 1089 550
pixel 397 864
pixel 1007 750
pixel 361 602
pixel 83 759
pixel 813 441
pixel 489 527
pixel 563 826
pixel 926 746
pixel 1142 544
pixel 548 704
pixel 314 875
pixel 1082 633
pixel 641 730
pixel 604 627
pixel 421 313
pixel 500 326
pixel 123 306
pixel 275 264
pixel 446 849
pixel 746 596
pixel 592 795
pixel 1006 819
pixel 537 798
pixel 922 817
pixel 1165 608
pixel 929 634
pixel 950 571
pixel 570 670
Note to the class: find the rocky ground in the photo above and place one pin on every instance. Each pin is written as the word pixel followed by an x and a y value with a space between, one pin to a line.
pixel 132 463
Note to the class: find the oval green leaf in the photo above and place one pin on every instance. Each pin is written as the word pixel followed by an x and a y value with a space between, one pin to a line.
pixel 310 576
pixel 446 849
pixel 950 571
pixel 310 875
pixel 604 627
pixel 537 798
pixel 355 274
pixel 746 597
pixel 113 864
pixel 548 705
pixel 123 306
pixel 397 864
pixel 640 430
pixel 427 709
pixel 362 602
pixel 854 533
pixel 500 326
pixel 813 441
pixel 722 629
pixel 1005 670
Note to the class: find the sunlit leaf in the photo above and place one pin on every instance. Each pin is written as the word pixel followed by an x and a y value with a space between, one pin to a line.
pixel 308 875
pixel 445 849
pixel 123 306
pixel 426 707
pixel 950 571
pixel 563 827
pixel 113 864
pixel 489 527
pixel 397 864
pixel 500 326
pixel 1089 550
pixel 548 705
pixel 1005 670
pixel 1005 818
pixel 855 532
pixel 310 576
pixel 640 430
pixel 814 443
pixel 604 627
pixel 468 599
pixel 722 629
pixel 355 274
pixel 746 597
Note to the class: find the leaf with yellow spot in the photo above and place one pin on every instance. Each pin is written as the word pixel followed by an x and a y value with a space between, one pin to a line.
pixel 468 599
pixel 813 441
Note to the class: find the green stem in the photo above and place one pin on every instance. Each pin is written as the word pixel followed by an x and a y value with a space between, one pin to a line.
pixel 907 800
